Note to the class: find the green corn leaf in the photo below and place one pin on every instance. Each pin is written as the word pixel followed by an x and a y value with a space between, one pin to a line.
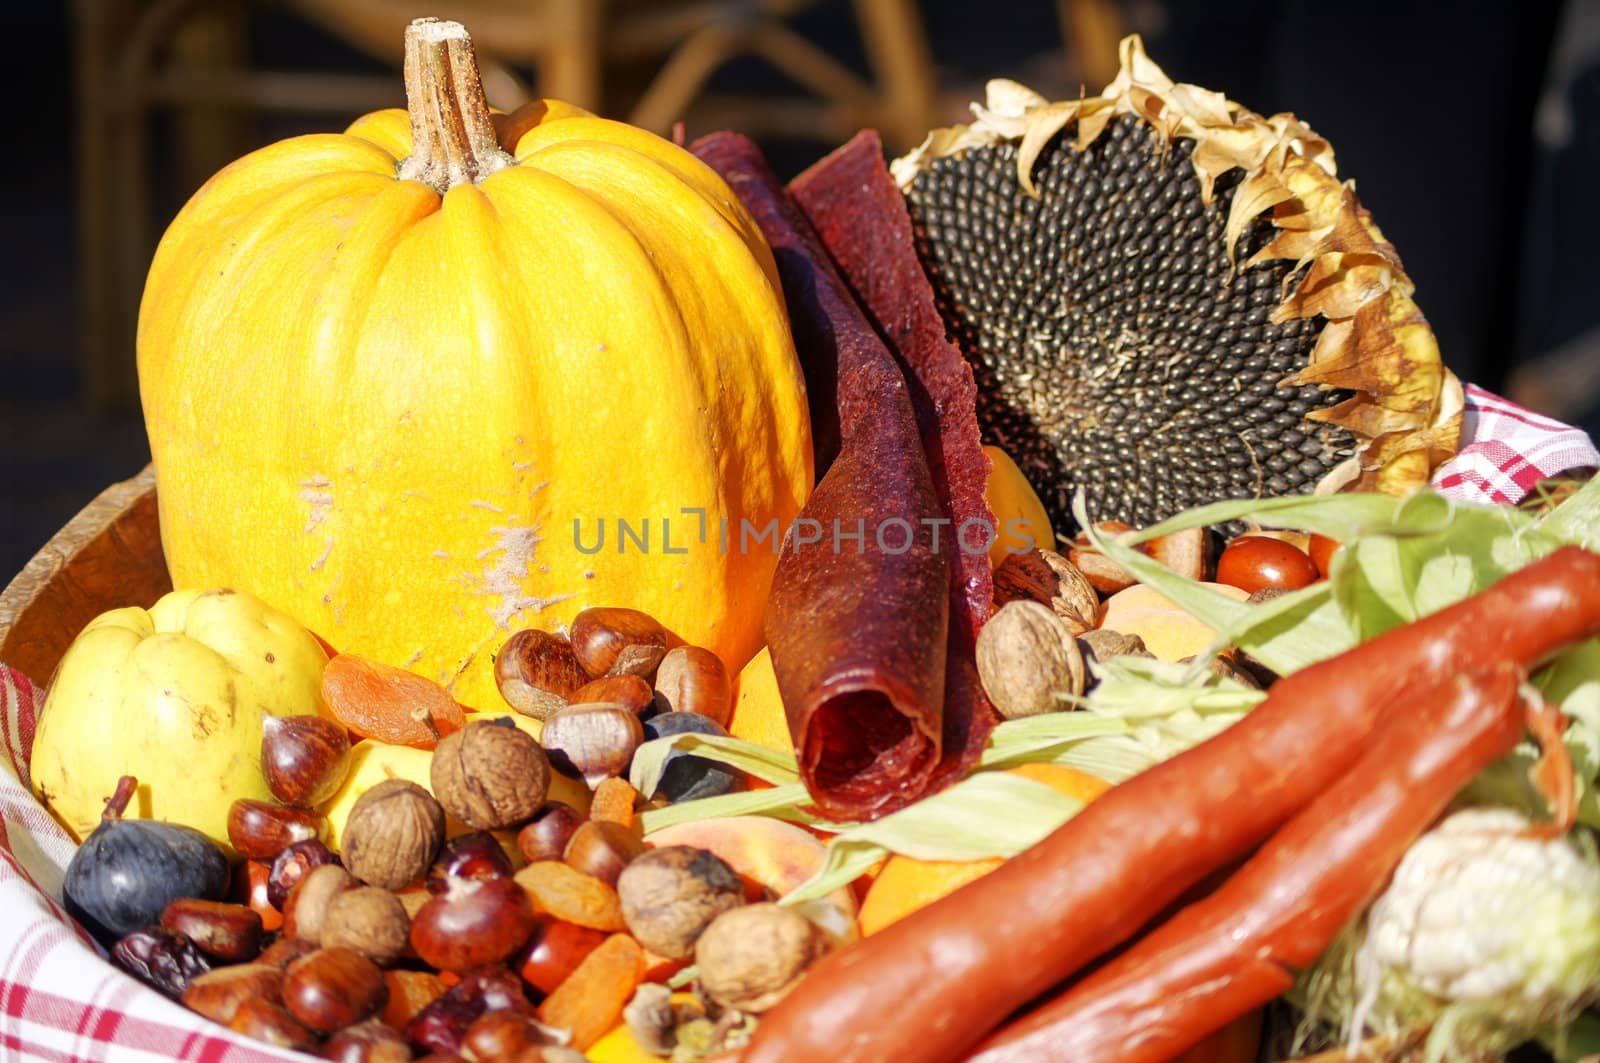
pixel 988 814
pixel 768 765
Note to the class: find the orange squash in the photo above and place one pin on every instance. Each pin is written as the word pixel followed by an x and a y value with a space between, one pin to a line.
pixel 401 381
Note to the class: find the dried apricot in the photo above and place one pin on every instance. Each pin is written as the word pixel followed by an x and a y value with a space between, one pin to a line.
pixel 563 892
pixel 613 801
pixel 591 1000
pixel 377 700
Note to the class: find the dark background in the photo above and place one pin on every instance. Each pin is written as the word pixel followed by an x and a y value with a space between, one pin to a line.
pixel 1431 107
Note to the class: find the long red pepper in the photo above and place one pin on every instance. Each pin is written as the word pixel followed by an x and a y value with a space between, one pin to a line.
pixel 929 987
pixel 1232 952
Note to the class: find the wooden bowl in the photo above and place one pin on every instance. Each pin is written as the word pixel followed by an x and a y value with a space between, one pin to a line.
pixel 109 555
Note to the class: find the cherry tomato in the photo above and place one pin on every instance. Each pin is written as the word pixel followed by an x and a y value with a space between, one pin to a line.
pixel 1252 562
pixel 1321 550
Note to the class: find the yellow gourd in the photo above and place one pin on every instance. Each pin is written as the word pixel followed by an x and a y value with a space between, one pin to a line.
pixel 1020 520
pixel 401 381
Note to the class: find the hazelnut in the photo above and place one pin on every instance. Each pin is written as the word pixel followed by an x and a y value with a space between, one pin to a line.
pixel 537 671
pixel 750 957
pixel 692 679
pixel 392 834
pixel 371 921
pixel 1027 658
pixel 670 895
pixel 306 910
pixel 490 775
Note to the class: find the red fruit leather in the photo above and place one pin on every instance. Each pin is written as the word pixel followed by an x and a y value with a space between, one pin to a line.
pixel 859 213
pixel 858 628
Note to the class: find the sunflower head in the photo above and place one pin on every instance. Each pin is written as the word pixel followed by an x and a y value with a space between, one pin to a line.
pixel 1170 300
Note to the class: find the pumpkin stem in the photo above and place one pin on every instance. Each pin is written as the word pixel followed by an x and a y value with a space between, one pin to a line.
pixel 453 135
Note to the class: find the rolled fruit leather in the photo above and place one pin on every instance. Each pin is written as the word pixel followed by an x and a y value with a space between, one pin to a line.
pixel 858 619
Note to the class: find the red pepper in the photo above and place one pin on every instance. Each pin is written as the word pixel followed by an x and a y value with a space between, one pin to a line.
pixel 930 986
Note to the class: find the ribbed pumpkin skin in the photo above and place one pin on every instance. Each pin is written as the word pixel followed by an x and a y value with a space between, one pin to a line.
pixel 383 410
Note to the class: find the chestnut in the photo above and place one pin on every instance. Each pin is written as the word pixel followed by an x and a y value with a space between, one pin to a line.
pixel 537 671
pixel 441 1025
pixel 260 830
pixel 629 691
pixel 472 923
pixel 262 1020
pixel 597 740
pixel 693 679
pixel 227 932
pixel 602 849
pixel 304 758
pixel 1252 562
pixel 546 835
pixel 217 994
pixel 291 866
pixel 613 641
pixel 333 988
pixel 504 1035
pixel 478 855
pixel 368 1041
pixel 1321 549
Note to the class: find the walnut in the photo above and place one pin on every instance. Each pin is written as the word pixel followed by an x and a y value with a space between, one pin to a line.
pixel 392 835
pixel 749 958
pixel 1028 661
pixel 669 895
pixel 490 775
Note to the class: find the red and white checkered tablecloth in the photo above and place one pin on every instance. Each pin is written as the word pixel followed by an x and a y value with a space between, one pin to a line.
pixel 60 1001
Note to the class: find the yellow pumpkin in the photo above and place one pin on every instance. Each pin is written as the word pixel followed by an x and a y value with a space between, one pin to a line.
pixel 400 381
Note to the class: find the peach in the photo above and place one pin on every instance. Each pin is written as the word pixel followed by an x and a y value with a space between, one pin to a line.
pixel 769 855
pixel 1168 632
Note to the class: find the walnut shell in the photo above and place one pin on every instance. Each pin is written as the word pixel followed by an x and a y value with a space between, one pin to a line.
pixel 749 958
pixel 1028 659
pixel 1046 577
pixel 670 895
pixel 489 775
pixel 392 834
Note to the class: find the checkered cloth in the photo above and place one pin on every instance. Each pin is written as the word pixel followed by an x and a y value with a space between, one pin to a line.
pixel 59 1001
